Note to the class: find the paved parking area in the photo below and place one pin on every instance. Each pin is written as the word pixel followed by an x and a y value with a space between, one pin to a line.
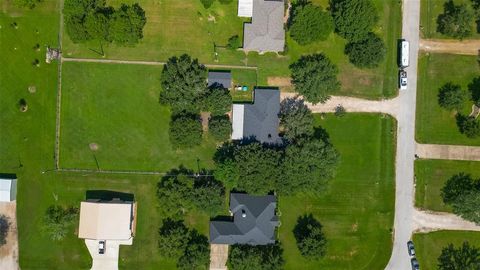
pixel 108 260
pixel 9 252
pixel 218 257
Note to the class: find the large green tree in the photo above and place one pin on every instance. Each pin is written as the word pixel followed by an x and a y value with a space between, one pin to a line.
pixel 367 53
pixel 468 125
pixel 307 166
pixel 183 82
pixel 466 257
pixel 247 257
pixel 197 253
pixel 451 96
pixel 457 186
pixel 172 238
pixel 310 239
pixel 354 19
pixel 296 119
pixel 468 206
pixel 258 168
pixel 220 127
pixel 216 100
pixel 310 23
pixel 185 131
pixel 58 221
pixel 474 88
pixel 126 24
pixel 455 21
pixel 315 77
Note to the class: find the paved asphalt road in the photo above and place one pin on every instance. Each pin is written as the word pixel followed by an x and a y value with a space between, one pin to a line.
pixel 404 193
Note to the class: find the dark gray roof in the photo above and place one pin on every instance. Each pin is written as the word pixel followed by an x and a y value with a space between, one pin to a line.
pixel 254 221
pixel 261 118
pixel 220 78
pixel 266 32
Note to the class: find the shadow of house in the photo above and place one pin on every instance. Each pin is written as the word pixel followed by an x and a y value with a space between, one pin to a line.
pixel 108 195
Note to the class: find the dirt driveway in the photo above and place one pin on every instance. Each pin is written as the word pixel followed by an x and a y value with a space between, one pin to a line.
pixel 466 47
pixel 9 252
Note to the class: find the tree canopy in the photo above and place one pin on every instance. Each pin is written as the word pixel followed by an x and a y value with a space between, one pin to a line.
pixel 467 206
pixel 58 221
pixel 457 186
pixel 296 119
pixel 367 53
pixel 197 253
pixel 466 257
pixel 247 257
pixel 354 19
pixel 220 127
pixel 315 77
pixel 463 194
pixel 468 125
pixel 183 83
pixel 310 239
pixel 185 131
pixel 93 20
pixel 455 21
pixel 172 238
pixel 474 88
pixel 309 23
pixel 451 96
pixel 234 42
pixel 216 100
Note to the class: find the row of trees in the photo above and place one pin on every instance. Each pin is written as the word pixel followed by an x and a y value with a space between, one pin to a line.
pixel 93 20
pixel 303 162
pixel 466 257
pixel 184 84
pixel 351 19
pixel 452 97
pixel 189 247
pixel 462 192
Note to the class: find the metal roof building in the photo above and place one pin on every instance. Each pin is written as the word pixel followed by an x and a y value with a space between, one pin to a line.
pixel 8 190
pixel 254 221
pixel 245 8
pixel 258 120
pixel 220 78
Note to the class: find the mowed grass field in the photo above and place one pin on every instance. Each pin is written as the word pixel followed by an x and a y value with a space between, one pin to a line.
pixel 433 123
pixel 431 176
pixel 429 246
pixel 116 107
pixel 358 207
pixel 430 9
pixel 176 27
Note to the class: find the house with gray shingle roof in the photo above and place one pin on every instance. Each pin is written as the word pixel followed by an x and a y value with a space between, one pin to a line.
pixel 265 33
pixel 254 221
pixel 220 78
pixel 258 120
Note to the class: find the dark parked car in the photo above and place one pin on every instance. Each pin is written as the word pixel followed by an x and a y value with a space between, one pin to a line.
pixel 415 265
pixel 411 248
pixel 101 247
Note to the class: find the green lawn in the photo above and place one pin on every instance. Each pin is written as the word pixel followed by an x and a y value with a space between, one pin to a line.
pixel 434 124
pixel 196 35
pixel 358 207
pixel 430 9
pixel 431 176
pixel 116 107
pixel 429 246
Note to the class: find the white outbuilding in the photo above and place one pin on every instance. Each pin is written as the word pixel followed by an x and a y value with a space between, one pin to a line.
pixel 8 190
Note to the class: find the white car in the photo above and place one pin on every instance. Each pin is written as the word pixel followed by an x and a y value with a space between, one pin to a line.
pixel 402 79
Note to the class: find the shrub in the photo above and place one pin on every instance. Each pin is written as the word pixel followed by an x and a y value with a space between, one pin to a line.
pixel 58 221
pixel 234 42
pixel 310 23
pixel 207 3
pixel 368 53
pixel 310 239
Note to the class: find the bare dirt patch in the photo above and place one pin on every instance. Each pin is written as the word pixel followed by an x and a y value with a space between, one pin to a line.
pixel 466 47
pixel 93 146
pixel 9 251
pixel 279 81
pixel 205 116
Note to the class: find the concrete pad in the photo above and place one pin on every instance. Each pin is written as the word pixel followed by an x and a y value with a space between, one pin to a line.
pixel 108 260
pixel 452 152
pixel 218 257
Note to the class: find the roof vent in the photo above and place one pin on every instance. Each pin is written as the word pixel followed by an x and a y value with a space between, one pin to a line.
pixel 244 214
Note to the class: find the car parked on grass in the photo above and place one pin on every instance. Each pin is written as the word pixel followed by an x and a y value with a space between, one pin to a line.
pixel 101 247
pixel 411 249
pixel 402 79
pixel 415 265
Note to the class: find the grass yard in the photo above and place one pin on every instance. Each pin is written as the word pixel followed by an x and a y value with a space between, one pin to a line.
pixel 435 124
pixel 196 32
pixel 116 107
pixel 358 207
pixel 431 176
pixel 430 9
pixel 428 247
